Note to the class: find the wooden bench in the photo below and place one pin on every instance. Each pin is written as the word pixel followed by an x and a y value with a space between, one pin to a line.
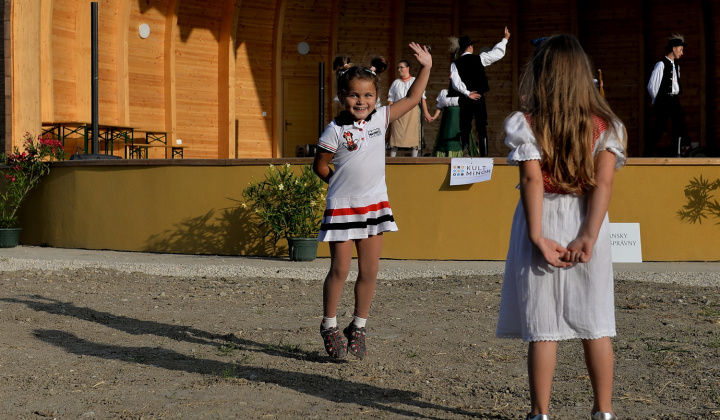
pixel 61 130
pixel 140 150
pixel 153 139
pixel 107 134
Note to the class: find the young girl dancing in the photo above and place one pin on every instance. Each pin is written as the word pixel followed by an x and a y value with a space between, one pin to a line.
pixel 357 210
pixel 558 282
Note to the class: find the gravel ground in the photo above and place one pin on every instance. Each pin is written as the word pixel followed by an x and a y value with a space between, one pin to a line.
pixel 117 339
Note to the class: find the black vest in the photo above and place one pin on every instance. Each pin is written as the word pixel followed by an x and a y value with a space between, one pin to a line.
pixel 666 81
pixel 472 73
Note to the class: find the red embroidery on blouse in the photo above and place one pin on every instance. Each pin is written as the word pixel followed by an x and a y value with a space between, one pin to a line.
pixel 599 127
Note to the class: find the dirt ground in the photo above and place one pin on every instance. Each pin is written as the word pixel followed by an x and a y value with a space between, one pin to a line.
pixel 101 344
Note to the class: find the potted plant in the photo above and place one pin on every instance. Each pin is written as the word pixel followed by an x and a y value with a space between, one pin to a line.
pixel 22 172
pixel 289 207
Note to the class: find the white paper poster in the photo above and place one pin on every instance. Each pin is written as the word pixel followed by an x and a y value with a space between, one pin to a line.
pixel 625 242
pixel 470 170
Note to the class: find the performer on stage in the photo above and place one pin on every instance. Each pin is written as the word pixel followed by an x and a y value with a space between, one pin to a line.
pixel 664 88
pixel 470 83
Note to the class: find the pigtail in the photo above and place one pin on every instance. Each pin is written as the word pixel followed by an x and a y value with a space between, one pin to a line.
pixel 341 62
pixel 379 64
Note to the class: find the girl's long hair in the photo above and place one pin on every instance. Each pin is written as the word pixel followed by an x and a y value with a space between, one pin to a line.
pixel 558 92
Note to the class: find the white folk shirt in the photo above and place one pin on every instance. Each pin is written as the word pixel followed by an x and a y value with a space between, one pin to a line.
pixel 486 58
pixel 399 89
pixel 443 100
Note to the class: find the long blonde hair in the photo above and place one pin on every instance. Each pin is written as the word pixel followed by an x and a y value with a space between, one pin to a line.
pixel 558 92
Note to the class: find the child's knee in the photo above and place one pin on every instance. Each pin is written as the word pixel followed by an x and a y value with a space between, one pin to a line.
pixel 338 273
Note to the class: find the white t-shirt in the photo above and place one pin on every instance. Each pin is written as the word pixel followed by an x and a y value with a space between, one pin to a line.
pixel 359 159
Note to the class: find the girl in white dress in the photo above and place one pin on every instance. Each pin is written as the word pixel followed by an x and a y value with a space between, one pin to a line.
pixel 558 282
pixel 357 210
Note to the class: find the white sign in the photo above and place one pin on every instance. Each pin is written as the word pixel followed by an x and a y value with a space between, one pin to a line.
pixel 470 170
pixel 625 242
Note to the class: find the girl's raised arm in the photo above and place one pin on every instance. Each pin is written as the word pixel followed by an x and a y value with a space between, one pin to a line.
pixel 404 105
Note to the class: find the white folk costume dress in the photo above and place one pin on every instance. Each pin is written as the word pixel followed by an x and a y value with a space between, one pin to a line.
pixel 540 302
pixel 406 130
pixel 357 200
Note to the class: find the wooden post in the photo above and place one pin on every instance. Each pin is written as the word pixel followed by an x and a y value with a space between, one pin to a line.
pixel 122 62
pixel 25 76
pixel 83 96
pixel 170 94
pixel 278 126
pixel 227 148
pixel 47 102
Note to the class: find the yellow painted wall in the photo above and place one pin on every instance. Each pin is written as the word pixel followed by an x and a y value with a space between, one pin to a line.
pixel 192 207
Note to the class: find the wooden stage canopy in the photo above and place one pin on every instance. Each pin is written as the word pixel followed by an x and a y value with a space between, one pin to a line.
pixel 232 78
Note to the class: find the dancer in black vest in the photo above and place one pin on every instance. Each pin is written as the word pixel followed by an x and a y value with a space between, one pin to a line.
pixel 470 83
pixel 664 88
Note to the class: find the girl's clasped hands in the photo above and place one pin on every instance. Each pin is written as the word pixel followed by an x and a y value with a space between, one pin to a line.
pixel 577 251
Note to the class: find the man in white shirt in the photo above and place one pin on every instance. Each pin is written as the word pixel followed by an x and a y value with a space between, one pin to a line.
pixel 664 88
pixel 470 84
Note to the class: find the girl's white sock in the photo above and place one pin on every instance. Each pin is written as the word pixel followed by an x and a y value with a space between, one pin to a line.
pixel 359 322
pixel 328 322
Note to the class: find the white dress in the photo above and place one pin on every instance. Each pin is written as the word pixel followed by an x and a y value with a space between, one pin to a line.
pixel 540 302
pixel 357 200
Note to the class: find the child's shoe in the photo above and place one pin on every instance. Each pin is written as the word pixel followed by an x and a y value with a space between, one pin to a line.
pixel 356 340
pixel 537 417
pixel 599 415
pixel 334 344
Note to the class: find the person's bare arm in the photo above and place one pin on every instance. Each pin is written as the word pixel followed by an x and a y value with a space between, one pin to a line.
pixel 531 194
pixel 580 249
pixel 426 113
pixel 415 93
pixel 321 164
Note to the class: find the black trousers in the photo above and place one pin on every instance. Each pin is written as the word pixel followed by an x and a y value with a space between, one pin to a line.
pixel 667 108
pixel 469 109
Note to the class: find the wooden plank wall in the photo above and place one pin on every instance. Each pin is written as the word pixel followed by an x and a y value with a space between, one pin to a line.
pixel 363 36
pixel 610 32
pixel 196 76
pixel 170 81
pixel 108 61
pixel 146 66
pixel 5 80
pixel 64 64
pixel 254 79
pixel 308 21
pixel 25 69
pixel 712 29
